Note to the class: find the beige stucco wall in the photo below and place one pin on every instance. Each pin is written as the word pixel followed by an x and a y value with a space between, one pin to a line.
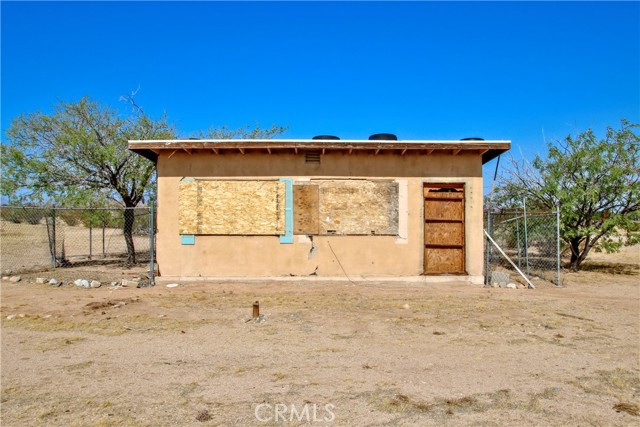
pixel 255 256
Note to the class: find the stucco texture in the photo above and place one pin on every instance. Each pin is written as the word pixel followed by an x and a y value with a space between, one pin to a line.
pixel 333 256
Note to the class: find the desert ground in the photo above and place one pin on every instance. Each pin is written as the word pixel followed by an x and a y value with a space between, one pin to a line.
pixel 323 353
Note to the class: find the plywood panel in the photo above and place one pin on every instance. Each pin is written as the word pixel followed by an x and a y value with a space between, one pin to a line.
pixel 306 209
pixel 188 207
pixel 232 207
pixel 449 233
pixel 443 209
pixel 358 207
pixel 444 260
pixel 444 229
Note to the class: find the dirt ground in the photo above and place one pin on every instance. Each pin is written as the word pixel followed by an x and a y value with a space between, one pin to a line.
pixel 340 354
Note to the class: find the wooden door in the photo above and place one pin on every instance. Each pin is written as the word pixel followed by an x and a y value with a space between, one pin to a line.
pixel 444 229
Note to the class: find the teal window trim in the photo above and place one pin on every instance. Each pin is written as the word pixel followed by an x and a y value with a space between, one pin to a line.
pixel 188 239
pixel 287 237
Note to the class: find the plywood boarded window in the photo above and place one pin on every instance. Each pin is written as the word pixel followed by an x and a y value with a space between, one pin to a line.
pixel 346 207
pixel 232 207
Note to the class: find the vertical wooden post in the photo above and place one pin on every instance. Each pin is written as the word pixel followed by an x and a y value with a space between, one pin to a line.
pixel 256 309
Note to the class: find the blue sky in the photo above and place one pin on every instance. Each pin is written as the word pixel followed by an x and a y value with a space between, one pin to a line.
pixel 421 70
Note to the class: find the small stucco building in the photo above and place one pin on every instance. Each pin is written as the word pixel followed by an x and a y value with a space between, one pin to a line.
pixel 320 207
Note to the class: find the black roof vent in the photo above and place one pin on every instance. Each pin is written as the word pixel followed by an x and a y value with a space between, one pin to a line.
pixel 472 139
pixel 332 137
pixel 383 137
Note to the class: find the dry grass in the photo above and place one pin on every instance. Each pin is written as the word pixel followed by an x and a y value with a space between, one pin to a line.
pixel 629 408
pixel 501 400
pixel 109 326
pixel 618 382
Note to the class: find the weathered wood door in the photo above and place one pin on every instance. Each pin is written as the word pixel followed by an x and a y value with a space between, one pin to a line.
pixel 444 229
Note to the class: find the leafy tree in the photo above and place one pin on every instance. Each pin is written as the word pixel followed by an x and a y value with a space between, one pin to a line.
pixel 245 132
pixel 78 156
pixel 595 182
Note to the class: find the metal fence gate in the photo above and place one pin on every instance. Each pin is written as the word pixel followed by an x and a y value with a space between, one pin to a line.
pixel 531 240
pixel 38 237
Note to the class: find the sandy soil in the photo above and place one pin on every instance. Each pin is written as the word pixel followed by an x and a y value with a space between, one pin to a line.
pixel 370 354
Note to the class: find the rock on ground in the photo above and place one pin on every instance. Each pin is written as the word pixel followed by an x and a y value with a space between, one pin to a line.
pixel 82 283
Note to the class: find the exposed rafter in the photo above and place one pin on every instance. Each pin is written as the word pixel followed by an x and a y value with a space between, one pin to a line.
pixel 152 149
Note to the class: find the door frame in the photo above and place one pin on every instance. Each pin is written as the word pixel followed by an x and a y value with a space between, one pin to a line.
pixel 456 185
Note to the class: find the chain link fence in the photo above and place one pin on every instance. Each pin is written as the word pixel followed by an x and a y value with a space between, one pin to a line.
pixel 38 237
pixel 530 241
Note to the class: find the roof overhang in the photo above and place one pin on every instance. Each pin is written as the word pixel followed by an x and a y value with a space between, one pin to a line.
pixel 151 149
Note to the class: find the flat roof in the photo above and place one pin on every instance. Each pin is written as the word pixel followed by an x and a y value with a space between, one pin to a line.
pixel 153 147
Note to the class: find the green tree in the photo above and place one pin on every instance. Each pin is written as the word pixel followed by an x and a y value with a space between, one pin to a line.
pixel 78 155
pixel 245 132
pixel 595 182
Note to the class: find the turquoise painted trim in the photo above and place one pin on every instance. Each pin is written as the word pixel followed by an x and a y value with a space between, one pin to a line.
pixel 188 179
pixel 188 239
pixel 287 237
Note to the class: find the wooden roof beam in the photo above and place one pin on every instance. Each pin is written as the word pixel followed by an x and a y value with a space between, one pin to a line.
pixel 483 151
pixel 215 150
pixel 377 151
pixel 456 151
pixel 403 151
pixel 188 150
pixel 241 150
pixel 174 152
pixel 268 150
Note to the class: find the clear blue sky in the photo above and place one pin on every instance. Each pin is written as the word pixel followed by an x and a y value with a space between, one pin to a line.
pixel 422 70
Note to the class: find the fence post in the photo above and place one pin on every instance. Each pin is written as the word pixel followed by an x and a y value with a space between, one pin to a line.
pixel 487 251
pixel 90 241
pixel 559 258
pixel 518 239
pixel 53 231
pixel 526 241
pixel 151 246
pixel 103 226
